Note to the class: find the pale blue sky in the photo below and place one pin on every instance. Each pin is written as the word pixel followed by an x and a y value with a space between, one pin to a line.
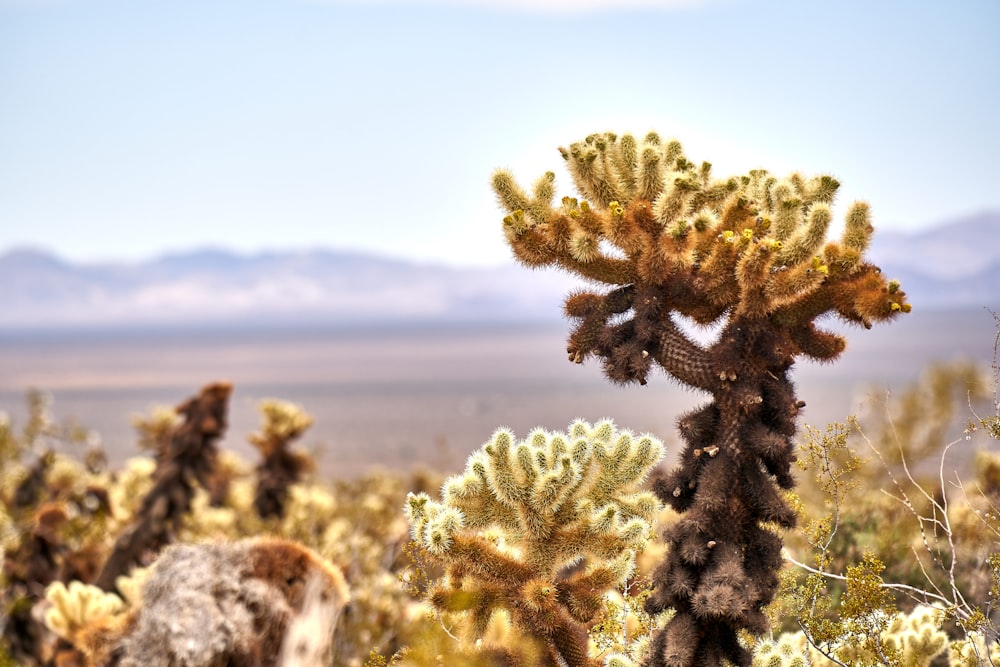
pixel 131 127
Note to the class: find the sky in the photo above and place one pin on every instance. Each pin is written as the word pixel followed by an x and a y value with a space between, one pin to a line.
pixel 132 128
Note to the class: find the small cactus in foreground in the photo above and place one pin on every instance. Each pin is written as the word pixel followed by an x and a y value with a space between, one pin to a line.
pixel 541 528
pixel 748 253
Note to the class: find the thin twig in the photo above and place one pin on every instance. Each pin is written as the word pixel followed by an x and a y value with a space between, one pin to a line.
pixel 828 655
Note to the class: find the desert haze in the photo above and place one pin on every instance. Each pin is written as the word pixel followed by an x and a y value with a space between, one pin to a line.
pixel 404 397
pixel 405 364
pixel 947 265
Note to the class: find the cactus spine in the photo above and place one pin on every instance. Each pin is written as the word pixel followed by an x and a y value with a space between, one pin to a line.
pixel 749 253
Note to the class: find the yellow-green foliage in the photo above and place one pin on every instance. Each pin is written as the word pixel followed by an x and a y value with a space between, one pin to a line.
pixel 973 651
pixel 364 535
pixel 508 529
pixel 937 536
pixel 906 640
pixel 155 428
pixel 281 421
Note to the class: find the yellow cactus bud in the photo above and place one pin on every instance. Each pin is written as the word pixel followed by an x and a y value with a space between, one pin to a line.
pixel 616 209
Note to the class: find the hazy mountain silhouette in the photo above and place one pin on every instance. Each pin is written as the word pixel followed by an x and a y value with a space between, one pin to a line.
pixel 217 287
pixel 954 264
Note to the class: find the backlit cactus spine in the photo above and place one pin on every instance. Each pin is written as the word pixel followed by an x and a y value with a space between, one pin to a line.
pixel 750 254
pixel 510 527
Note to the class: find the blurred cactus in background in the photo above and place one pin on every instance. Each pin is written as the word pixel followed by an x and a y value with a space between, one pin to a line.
pixel 189 461
pixel 540 529
pixel 749 254
pixel 283 422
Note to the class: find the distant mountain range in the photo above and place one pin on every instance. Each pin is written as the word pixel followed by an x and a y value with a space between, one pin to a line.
pixel 952 264
pixel 956 264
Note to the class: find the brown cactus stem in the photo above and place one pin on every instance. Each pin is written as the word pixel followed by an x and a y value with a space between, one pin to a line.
pixel 189 461
pixel 720 570
pixel 682 358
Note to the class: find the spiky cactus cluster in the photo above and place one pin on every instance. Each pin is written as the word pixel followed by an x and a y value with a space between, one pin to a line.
pixel 541 528
pixel 788 650
pixel 917 638
pixel 749 253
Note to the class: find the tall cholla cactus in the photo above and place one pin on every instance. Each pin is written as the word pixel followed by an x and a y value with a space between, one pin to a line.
pixel 749 252
pixel 523 512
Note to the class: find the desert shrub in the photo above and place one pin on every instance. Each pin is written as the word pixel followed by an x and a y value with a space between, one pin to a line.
pixel 888 533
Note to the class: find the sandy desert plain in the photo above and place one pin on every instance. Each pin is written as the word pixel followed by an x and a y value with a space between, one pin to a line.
pixel 404 397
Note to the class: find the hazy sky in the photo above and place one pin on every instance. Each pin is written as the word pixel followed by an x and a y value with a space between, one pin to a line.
pixel 133 127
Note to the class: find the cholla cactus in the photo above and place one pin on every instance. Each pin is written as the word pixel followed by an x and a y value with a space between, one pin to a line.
pixel 283 422
pixel 917 638
pixel 523 512
pixel 188 461
pixel 788 650
pixel 749 253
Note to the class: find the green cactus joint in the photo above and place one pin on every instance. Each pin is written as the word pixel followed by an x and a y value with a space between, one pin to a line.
pixel 766 294
pixel 541 528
